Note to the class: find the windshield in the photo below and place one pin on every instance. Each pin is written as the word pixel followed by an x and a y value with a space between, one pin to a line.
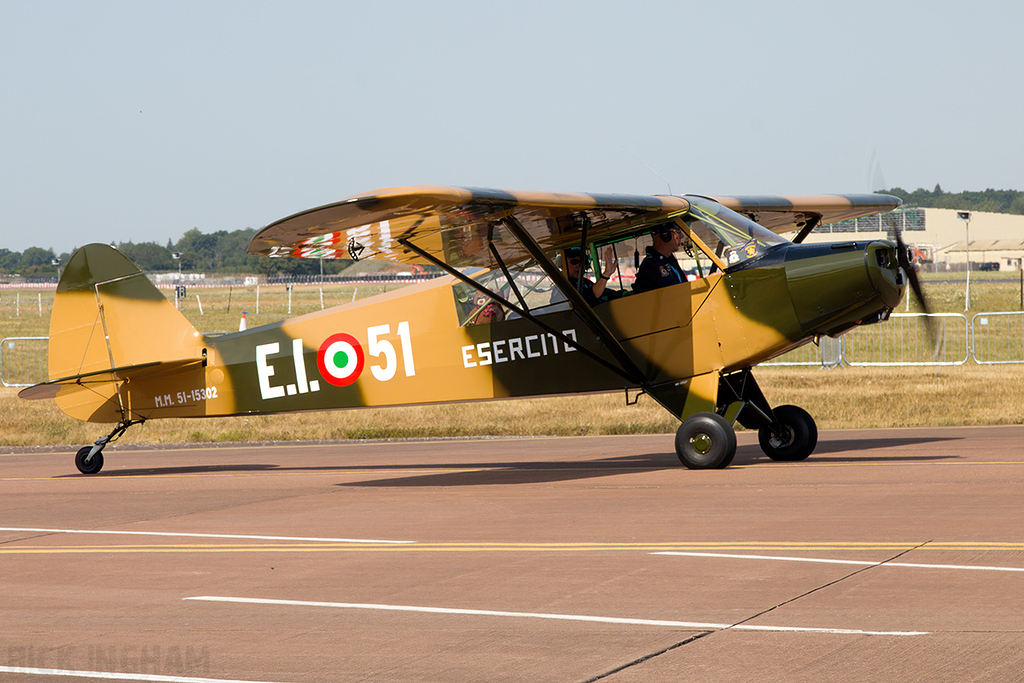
pixel 732 237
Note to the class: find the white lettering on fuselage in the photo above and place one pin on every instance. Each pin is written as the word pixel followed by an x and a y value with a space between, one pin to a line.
pixel 391 360
pixel 515 349
pixel 264 370
pixel 183 398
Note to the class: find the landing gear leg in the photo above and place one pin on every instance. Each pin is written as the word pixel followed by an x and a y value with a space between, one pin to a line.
pixel 89 459
pixel 786 433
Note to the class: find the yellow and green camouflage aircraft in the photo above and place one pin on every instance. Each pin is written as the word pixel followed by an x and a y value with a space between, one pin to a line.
pixel 504 322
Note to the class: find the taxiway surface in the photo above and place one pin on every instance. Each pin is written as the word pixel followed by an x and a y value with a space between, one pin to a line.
pixel 889 555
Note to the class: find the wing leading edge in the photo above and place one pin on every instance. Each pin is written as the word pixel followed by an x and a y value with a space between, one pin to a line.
pixel 791 213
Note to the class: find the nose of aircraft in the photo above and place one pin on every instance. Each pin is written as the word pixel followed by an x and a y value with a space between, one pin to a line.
pixel 883 267
pixel 835 286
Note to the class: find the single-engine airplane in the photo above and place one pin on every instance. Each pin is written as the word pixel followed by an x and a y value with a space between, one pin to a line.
pixel 504 322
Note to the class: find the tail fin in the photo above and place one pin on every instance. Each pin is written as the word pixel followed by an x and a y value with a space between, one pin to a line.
pixel 107 314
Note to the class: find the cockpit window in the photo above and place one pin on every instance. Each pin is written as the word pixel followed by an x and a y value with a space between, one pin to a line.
pixel 732 237
pixel 529 288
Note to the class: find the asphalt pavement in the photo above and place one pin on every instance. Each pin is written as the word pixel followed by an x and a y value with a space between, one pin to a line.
pixel 888 555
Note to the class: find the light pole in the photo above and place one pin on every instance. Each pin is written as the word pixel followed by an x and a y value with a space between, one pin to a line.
pixel 965 216
pixel 177 284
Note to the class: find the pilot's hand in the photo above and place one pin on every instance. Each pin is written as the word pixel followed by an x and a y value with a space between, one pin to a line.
pixel 609 262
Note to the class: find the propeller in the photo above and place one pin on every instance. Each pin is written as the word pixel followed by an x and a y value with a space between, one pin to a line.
pixel 903 258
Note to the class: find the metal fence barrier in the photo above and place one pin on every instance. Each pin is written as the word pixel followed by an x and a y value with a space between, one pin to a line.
pixel 997 338
pixel 828 353
pixel 23 361
pixel 904 340
pixel 987 338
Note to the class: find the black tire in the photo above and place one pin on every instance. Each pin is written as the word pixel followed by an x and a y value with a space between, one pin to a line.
pixel 705 441
pixel 91 467
pixel 799 439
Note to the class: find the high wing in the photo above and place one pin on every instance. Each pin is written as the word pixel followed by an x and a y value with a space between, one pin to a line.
pixel 458 226
pixel 469 227
pixel 792 213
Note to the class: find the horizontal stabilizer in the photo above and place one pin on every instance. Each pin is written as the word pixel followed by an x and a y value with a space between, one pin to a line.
pixel 54 387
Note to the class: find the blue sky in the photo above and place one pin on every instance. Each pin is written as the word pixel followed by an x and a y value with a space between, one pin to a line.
pixel 140 120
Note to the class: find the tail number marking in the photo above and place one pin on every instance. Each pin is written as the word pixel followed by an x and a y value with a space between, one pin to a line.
pixel 383 347
pixel 340 360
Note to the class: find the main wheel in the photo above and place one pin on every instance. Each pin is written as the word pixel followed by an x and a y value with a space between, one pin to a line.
pixel 798 439
pixel 92 466
pixel 705 441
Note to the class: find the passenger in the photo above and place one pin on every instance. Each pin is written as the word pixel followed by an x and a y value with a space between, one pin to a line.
pixel 591 291
pixel 660 267
pixel 485 311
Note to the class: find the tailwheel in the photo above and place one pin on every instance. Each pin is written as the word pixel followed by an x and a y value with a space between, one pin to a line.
pixel 87 464
pixel 705 441
pixel 89 459
pixel 796 439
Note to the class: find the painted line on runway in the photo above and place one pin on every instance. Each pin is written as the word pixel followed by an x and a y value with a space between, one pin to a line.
pixel 542 615
pixel 185 548
pixel 116 676
pixel 831 561
pixel 313 539
pixel 300 544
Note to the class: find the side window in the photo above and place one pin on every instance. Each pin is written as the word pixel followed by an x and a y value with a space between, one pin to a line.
pixel 474 308
pixel 530 288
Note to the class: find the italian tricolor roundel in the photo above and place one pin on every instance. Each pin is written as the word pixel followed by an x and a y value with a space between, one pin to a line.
pixel 340 359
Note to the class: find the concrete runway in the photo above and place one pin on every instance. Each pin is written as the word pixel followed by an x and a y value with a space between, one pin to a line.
pixel 889 555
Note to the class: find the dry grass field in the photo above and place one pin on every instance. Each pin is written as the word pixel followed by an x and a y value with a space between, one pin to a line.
pixel 838 398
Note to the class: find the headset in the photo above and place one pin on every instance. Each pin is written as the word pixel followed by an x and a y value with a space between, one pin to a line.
pixel 664 231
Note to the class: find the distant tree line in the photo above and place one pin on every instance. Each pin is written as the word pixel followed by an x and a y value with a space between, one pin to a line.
pixel 993 201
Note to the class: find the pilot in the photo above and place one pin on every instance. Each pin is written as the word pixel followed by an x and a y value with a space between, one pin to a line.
pixel 660 267
pixel 591 291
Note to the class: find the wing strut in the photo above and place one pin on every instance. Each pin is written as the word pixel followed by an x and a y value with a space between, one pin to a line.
pixel 508 276
pixel 579 305
pixel 524 312
pixel 806 230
